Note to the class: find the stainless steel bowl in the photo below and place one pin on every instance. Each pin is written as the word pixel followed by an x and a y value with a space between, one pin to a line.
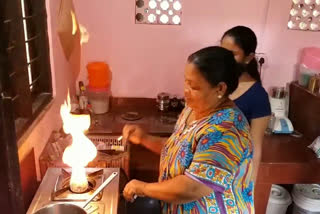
pixel 61 209
pixel 278 92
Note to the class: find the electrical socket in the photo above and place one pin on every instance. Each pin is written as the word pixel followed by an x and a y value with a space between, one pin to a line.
pixel 262 55
pixel 264 65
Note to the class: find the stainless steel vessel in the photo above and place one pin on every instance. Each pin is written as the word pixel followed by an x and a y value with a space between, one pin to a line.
pixel 61 209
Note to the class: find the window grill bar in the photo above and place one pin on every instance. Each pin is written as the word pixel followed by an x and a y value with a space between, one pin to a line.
pixel 35 80
pixel 34 37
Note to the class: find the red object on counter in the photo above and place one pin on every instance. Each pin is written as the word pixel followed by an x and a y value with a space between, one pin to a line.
pixel 99 75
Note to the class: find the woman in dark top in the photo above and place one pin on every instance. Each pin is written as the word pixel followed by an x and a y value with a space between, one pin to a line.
pixel 250 96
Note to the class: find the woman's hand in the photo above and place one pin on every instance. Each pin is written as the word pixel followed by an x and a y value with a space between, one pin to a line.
pixel 132 189
pixel 133 133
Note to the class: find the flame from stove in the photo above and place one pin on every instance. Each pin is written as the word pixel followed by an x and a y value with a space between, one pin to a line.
pixel 82 150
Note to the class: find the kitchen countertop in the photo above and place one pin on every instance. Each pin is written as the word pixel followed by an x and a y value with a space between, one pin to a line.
pixel 153 121
pixel 283 149
pixel 283 155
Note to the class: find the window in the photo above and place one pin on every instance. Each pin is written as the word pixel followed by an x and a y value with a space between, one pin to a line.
pixel 305 15
pixel 27 78
pixel 164 12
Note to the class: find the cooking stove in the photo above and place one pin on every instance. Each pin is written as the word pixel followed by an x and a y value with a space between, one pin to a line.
pixel 54 188
pixel 62 191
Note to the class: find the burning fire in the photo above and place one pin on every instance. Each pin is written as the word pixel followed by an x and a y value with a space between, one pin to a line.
pixel 81 151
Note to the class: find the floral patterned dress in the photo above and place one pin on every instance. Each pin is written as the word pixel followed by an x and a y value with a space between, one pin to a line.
pixel 216 151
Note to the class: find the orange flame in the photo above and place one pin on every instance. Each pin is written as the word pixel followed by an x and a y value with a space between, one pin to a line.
pixel 82 150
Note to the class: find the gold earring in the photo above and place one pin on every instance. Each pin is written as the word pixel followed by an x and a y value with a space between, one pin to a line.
pixel 219 96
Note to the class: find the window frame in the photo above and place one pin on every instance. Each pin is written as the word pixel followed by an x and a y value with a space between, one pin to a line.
pixel 27 103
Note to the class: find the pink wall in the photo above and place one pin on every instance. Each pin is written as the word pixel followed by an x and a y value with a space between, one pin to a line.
pixel 283 46
pixel 62 79
pixel 147 59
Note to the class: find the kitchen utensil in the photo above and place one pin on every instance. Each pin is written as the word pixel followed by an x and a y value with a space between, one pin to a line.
pixel 61 208
pixel 99 99
pixel 131 116
pixel 174 103
pixel 281 123
pixel 83 100
pixel 270 127
pixel 163 100
pixel 145 205
pixel 101 187
pixel 278 92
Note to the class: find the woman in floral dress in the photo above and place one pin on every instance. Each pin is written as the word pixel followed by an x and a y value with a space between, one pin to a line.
pixel 206 164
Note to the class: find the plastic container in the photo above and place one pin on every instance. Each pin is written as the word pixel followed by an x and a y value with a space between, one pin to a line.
pixel 309 65
pixel 279 200
pixel 99 75
pixel 99 99
pixel 306 198
pixel 305 74
pixel 311 58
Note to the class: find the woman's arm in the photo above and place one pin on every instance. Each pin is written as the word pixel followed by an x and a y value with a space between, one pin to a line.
pixel 153 143
pixel 180 189
pixel 137 135
pixel 258 127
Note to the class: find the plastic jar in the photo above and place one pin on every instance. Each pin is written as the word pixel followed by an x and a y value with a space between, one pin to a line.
pixel 99 99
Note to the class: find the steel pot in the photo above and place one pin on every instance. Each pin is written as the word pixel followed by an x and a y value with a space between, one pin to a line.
pixel 163 100
pixel 61 209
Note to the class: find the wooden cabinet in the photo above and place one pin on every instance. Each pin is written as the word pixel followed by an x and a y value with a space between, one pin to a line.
pixel 144 164
pixel 286 159
pixel 304 111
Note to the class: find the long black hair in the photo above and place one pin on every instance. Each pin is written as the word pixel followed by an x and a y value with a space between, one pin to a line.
pixel 246 39
pixel 217 64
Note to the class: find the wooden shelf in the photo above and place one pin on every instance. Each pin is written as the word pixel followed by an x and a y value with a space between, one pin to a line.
pixel 304 111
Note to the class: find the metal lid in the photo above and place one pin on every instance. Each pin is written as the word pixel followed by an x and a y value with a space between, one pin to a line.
pixel 163 96
pixel 131 116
